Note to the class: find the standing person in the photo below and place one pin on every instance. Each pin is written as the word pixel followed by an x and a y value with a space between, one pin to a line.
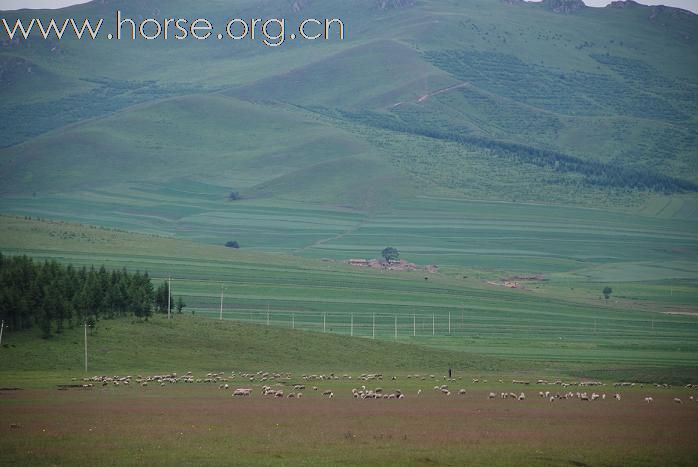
pixel 449 373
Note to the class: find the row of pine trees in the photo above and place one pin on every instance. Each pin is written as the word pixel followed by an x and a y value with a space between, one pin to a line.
pixel 53 296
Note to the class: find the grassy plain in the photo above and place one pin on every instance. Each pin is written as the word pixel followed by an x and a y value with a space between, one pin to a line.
pixel 562 322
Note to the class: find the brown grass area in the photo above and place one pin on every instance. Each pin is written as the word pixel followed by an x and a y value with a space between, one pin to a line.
pixel 202 425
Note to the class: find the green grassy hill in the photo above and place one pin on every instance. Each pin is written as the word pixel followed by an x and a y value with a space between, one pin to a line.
pixel 601 86
pixel 188 343
pixel 562 324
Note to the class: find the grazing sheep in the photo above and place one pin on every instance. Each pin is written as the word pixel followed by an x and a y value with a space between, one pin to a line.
pixel 522 396
pixel 617 396
pixel 552 399
pixel 677 400
pixel 419 392
pixel 492 395
pixel 446 392
pixel 648 399
pixel 242 392
pixel 461 392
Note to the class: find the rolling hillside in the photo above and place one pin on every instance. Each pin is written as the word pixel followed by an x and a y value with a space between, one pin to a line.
pixel 489 134
pixel 613 87
pixel 562 323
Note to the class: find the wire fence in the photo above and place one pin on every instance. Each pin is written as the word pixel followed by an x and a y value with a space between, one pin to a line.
pixel 443 321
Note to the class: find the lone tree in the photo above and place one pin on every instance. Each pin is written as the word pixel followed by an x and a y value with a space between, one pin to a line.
pixel 161 298
pixel 607 291
pixel 180 305
pixel 390 254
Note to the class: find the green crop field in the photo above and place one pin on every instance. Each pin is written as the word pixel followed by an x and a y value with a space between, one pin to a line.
pixel 561 321
pixel 523 155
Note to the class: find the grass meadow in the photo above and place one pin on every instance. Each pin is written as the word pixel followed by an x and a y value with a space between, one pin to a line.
pixel 646 326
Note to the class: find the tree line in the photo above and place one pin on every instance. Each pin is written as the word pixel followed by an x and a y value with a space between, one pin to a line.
pixel 595 173
pixel 53 296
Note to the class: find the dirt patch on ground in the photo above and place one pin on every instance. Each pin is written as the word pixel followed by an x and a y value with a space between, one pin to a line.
pixel 681 311
pixel 206 425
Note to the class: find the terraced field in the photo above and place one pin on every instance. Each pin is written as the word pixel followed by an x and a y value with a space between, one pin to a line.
pixel 563 319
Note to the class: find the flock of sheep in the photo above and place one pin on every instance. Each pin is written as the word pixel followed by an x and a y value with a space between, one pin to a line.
pixel 280 385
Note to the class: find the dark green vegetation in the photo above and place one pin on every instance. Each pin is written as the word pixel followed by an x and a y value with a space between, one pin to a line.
pixel 55 296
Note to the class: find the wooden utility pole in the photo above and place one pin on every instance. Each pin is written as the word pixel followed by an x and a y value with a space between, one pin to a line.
pixel 221 313
pixel 169 294
pixel 85 346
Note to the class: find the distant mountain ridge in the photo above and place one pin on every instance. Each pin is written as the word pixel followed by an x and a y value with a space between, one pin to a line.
pixel 479 98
